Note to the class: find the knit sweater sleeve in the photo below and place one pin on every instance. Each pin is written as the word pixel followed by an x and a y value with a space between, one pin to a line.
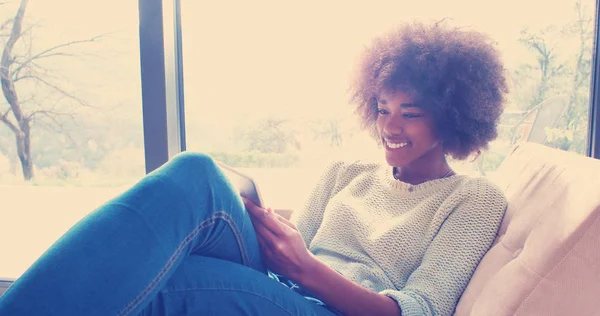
pixel 309 218
pixel 435 287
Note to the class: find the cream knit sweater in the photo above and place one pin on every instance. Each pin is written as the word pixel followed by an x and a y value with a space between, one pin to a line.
pixel 418 244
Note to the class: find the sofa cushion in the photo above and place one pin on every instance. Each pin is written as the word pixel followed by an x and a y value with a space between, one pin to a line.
pixel 546 257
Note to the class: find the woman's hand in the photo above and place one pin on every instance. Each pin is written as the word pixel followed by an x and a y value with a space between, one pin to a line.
pixel 284 253
pixel 282 245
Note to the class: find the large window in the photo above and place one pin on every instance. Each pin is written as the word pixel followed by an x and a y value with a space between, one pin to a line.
pixel 70 127
pixel 266 82
pixel 265 90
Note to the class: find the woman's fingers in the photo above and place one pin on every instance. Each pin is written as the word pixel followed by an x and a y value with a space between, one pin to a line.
pixel 252 208
pixel 264 216
pixel 273 221
pixel 285 221
pixel 270 221
pixel 263 230
pixel 267 240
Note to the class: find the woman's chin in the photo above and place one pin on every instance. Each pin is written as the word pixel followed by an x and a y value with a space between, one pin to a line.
pixel 395 162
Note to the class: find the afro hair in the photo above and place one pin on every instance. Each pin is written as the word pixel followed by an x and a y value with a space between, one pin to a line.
pixel 455 75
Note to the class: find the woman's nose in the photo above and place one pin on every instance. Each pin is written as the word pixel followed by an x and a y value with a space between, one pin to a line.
pixel 393 126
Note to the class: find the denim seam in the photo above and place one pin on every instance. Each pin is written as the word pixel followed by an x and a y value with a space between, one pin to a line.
pixel 234 290
pixel 238 236
pixel 169 264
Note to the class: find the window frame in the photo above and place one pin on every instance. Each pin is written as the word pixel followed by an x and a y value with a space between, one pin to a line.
pixel 162 81
pixel 594 112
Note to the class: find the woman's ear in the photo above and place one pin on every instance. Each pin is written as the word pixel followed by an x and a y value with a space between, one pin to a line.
pixel 476 156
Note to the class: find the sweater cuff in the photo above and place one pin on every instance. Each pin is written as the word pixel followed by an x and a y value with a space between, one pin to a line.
pixel 410 305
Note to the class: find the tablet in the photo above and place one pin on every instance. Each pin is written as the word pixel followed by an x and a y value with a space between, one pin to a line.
pixel 245 185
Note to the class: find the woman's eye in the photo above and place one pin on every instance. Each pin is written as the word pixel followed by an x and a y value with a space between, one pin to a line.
pixel 381 111
pixel 412 115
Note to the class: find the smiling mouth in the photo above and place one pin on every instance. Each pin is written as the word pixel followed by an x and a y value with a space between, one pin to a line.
pixel 396 145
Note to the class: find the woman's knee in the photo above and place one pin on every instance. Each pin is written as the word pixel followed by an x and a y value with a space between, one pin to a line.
pixel 193 163
pixel 190 159
pixel 191 169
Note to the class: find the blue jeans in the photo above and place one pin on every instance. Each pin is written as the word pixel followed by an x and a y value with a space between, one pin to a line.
pixel 180 242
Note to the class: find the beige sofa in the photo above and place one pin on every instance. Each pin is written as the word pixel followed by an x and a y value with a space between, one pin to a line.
pixel 546 257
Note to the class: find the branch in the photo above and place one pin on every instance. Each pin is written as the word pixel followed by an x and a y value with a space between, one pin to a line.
pixel 25 64
pixel 46 53
pixel 58 89
pixel 51 110
pixel 34 70
pixel 6 24
pixel 50 113
pixel 61 128
pixel 23 77
pixel 10 125
pixel 541 48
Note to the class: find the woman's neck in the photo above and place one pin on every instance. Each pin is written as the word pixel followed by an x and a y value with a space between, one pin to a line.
pixel 419 175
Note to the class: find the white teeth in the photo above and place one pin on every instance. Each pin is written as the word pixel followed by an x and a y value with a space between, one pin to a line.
pixel 396 145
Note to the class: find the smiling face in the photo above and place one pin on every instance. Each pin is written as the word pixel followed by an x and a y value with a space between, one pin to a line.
pixel 408 134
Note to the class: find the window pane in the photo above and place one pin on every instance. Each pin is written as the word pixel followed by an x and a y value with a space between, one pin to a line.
pixel 76 83
pixel 266 82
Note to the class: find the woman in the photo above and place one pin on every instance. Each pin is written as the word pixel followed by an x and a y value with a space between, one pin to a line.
pixel 402 238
